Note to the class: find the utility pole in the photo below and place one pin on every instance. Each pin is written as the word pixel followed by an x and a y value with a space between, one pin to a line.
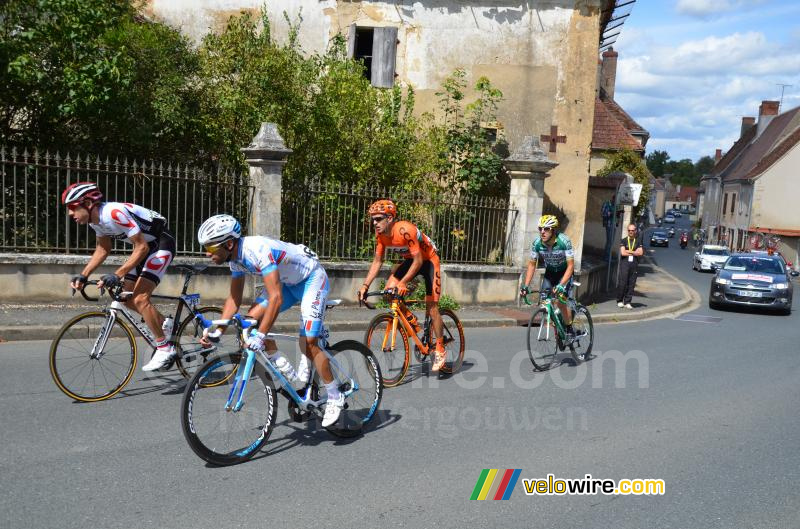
pixel 783 87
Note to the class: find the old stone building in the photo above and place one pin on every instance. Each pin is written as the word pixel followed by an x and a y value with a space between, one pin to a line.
pixel 541 54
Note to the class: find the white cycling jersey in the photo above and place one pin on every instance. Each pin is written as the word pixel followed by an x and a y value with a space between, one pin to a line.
pixel 122 220
pixel 262 255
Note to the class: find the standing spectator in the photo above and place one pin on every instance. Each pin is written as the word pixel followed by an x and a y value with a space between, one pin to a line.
pixel 630 251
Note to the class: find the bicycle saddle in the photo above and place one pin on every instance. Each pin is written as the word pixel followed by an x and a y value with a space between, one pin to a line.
pixel 195 269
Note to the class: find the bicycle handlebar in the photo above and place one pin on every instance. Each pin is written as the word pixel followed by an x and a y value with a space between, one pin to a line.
pixel 115 293
pixel 385 292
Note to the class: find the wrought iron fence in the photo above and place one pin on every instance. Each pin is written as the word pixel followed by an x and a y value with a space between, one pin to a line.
pixel 35 221
pixel 332 220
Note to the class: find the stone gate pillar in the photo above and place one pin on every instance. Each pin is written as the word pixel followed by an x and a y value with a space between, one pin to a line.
pixel 266 155
pixel 527 166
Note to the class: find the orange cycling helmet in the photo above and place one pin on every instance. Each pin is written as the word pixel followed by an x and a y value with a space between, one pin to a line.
pixel 383 207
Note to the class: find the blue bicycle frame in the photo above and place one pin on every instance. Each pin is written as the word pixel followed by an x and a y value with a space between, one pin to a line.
pixel 235 398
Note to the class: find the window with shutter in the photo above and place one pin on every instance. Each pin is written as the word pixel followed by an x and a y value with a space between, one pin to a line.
pixel 376 48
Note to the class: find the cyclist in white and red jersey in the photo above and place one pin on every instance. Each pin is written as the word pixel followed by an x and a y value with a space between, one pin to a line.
pixel 291 273
pixel 153 250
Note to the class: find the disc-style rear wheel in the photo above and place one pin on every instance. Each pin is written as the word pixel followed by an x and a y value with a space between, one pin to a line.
pixel 391 348
pixel 93 357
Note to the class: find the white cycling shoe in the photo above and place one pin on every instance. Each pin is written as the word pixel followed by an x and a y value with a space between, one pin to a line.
pixel 162 358
pixel 332 410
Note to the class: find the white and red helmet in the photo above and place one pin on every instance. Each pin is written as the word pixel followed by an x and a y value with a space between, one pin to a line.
pixel 80 190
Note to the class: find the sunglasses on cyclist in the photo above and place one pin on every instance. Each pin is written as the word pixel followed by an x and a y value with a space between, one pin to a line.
pixel 213 248
pixel 381 218
pixel 73 206
pixel 545 229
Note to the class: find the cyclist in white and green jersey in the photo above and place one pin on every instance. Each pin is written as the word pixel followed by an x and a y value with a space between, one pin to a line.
pixel 556 251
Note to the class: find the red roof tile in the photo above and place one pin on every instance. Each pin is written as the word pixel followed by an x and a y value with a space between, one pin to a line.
pixel 609 133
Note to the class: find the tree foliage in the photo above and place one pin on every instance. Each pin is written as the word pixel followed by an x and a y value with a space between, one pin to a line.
pixel 630 162
pixel 683 172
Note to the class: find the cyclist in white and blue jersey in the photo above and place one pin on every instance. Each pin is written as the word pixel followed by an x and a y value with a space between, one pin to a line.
pixel 555 249
pixel 291 273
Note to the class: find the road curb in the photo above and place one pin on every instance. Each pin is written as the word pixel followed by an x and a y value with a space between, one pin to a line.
pixel 14 333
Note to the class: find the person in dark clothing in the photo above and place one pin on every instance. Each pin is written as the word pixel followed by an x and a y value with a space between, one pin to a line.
pixel 630 251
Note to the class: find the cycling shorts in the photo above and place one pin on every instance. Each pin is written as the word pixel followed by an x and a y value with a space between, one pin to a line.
pixel 550 280
pixel 312 293
pixel 159 256
pixel 429 270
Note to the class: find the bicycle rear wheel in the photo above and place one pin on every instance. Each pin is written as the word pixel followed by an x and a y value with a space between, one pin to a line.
pixel 352 361
pixel 191 355
pixel 581 345
pixel 393 352
pixel 80 375
pixel 223 437
pixel 453 334
pixel 542 340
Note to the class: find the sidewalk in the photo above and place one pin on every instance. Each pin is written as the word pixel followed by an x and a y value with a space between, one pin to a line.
pixel 658 294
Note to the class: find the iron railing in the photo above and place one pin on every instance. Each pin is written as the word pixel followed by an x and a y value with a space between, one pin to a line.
pixel 34 220
pixel 332 220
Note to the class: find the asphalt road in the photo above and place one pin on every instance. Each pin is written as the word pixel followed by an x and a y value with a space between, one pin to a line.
pixel 710 408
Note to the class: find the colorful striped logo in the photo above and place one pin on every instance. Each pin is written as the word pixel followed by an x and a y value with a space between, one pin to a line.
pixel 496 484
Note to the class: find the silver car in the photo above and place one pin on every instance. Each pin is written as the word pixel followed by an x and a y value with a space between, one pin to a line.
pixel 709 256
pixel 753 280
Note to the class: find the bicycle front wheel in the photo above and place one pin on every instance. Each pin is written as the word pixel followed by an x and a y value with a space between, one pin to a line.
pixel 191 355
pixel 391 348
pixel 542 340
pixel 223 437
pixel 581 345
pixel 453 334
pixel 357 369
pixel 89 367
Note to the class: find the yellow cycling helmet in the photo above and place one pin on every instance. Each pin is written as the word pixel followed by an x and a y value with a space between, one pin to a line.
pixel 548 221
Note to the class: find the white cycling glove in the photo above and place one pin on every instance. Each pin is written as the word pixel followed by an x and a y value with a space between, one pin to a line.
pixel 256 341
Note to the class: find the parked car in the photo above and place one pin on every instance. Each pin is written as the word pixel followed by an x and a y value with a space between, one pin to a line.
pixel 754 280
pixel 659 238
pixel 710 255
pixel 676 213
pixel 669 219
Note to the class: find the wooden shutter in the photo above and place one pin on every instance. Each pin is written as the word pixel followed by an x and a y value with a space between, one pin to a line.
pixel 351 41
pixel 384 55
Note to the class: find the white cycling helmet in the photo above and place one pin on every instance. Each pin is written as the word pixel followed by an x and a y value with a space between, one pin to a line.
pixel 218 229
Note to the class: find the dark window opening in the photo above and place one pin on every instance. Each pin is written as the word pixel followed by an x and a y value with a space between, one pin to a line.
pixel 363 49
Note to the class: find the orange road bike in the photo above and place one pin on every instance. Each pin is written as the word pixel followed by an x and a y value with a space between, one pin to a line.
pixel 388 333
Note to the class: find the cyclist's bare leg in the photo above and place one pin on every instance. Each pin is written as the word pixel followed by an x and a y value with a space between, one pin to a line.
pixel 310 348
pixel 432 310
pixel 140 299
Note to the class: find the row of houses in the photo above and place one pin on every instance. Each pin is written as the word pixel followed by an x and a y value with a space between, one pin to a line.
pixel 551 59
pixel 752 192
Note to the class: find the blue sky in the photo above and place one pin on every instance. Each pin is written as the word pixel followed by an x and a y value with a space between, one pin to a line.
pixel 689 70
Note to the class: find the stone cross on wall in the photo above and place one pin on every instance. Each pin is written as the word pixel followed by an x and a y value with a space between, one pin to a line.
pixel 553 138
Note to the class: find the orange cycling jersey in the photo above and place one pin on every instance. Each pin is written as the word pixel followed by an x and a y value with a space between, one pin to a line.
pixel 408 239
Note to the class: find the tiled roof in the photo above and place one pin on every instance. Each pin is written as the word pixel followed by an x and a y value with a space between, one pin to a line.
pixel 687 194
pixel 609 132
pixel 750 157
pixel 619 113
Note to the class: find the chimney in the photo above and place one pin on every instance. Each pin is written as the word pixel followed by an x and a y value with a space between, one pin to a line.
pixel 747 123
pixel 767 111
pixel 717 156
pixel 609 74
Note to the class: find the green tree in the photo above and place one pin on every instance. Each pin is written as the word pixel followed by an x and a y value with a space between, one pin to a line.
pixel 473 163
pixel 656 161
pixel 703 166
pixel 682 171
pixel 630 162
